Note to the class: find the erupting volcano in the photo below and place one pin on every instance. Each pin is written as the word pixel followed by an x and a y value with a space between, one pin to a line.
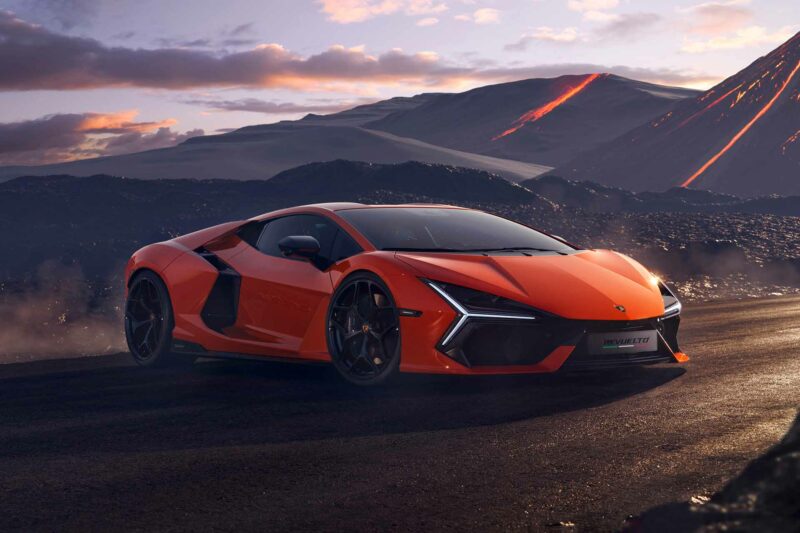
pixel 535 114
pixel 563 115
pixel 744 130
pixel 738 137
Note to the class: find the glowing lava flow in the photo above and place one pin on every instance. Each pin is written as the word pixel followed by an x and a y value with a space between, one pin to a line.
pixel 744 130
pixel 709 106
pixel 792 138
pixel 535 114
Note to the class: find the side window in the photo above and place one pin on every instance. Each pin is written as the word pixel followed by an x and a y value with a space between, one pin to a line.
pixel 250 232
pixel 318 227
pixel 343 247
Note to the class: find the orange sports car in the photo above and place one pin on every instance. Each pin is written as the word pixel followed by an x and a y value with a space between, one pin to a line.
pixel 382 289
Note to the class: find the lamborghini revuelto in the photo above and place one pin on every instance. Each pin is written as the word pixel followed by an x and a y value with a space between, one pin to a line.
pixel 378 290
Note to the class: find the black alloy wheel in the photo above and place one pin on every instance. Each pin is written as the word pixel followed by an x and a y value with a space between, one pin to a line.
pixel 364 330
pixel 148 321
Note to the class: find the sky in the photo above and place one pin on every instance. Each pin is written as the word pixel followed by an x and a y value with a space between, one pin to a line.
pixel 86 78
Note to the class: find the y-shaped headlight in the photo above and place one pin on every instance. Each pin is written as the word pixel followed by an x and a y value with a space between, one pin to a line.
pixel 473 304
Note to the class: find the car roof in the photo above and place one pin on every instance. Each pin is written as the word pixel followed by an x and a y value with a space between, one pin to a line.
pixel 341 206
pixel 332 207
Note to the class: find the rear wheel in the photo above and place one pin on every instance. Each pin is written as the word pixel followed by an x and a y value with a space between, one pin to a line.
pixel 364 330
pixel 149 322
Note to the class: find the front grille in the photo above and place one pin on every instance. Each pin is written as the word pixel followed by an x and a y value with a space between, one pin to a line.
pixel 504 342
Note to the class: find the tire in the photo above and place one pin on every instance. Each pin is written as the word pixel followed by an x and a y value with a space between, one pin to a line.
pixel 149 322
pixel 363 330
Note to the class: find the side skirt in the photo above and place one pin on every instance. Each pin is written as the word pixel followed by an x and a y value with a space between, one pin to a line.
pixel 196 350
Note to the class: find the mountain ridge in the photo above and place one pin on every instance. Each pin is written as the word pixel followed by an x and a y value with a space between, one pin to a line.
pixel 262 150
pixel 577 112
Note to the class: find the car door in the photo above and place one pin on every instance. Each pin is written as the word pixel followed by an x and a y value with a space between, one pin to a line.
pixel 280 295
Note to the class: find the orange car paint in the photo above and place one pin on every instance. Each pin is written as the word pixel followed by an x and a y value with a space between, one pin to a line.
pixel 283 314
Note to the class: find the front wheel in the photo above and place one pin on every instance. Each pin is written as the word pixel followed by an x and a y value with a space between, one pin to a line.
pixel 364 330
pixel 149 322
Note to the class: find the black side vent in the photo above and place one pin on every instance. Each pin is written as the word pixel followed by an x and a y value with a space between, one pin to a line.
pixel 222 303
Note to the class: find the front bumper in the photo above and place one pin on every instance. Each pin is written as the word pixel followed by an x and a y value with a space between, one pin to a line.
pixel 513 345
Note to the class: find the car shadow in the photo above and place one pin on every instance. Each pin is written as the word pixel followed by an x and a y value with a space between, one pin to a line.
pixel 224 403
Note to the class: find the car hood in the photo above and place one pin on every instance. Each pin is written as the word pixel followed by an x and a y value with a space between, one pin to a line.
pixel 586 285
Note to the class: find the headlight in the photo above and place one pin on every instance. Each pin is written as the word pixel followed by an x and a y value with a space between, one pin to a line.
pixel 469 304
pixel 672 306
pixel 479 302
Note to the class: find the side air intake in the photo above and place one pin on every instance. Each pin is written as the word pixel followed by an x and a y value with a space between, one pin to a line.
pixel 222 303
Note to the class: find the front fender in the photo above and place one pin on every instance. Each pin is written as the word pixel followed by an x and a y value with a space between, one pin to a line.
pixel 156 257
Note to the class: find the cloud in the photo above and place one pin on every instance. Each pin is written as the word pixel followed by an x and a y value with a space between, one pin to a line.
pixel 428 21
pixel 66 14
pixel 124 35
pixel 167 42
pixel 33 58
pixel 65 137
pixel 545 34
pixel 742 38
pixel 594 10
pixel 242 29
pixel 622 26
pixel 584 6
pixel 349 11
pixel 121 122
pixel 134 141
pixel 424 7
pixel 256 105
pixel 716 18
pixel 627 25
pixel 235 37
pixel 485 15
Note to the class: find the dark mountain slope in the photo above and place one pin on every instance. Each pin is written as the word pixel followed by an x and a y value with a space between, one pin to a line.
pixel 740 137
pixel 546 121
pixel 595 198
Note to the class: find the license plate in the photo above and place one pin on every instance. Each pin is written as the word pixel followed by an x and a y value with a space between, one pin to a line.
pixel 623 342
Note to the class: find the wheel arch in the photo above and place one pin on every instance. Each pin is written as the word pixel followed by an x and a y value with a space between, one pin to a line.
pixel 401 279
pixel 138 271
pixel 154 257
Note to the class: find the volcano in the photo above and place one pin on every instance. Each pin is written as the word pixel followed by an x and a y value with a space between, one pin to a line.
pixel 740 137
pixel 545 120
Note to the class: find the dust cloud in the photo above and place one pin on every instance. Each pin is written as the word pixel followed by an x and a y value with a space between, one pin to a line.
pixel 58 313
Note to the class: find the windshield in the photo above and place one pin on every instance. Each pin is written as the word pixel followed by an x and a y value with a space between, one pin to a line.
pixel 446 230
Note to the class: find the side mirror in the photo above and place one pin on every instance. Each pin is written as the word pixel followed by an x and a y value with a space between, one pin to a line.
pixel 304 246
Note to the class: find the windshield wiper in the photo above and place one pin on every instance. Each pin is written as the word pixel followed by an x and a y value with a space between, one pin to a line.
pixel 474 250
pixel 424 250
pixel 516 249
